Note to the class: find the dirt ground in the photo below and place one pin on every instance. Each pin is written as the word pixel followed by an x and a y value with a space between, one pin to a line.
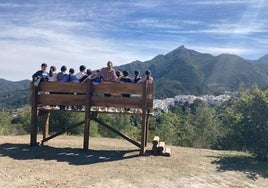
pixel 116 163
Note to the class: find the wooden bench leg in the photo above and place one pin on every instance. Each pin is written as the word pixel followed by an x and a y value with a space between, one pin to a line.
pixel 147 128
pixel 86 133
pixel 143 136
pixel 33 137
pixel 46 127
pixel 34 115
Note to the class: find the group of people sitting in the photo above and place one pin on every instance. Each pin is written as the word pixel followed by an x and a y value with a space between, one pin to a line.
pixel 106 74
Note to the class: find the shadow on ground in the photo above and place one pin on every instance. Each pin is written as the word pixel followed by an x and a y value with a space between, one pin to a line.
pixel 248 165
pixel 73 156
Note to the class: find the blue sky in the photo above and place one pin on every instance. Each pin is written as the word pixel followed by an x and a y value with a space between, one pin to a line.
pixel 76 32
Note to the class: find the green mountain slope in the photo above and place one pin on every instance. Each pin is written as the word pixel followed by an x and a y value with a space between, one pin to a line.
pixel 6 85
pixel 230 71
pixel 14 99
pixel 184 71
pixel 13 94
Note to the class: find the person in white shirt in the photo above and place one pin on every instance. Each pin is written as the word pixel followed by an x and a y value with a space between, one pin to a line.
pixel 52 75
pixel 82 73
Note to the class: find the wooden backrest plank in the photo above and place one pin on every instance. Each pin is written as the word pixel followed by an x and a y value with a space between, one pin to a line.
pixel 104 87
pixel 61 99
pixel 62 87
pixel 58 93
pixel 116 102
pixel 120 102
pixel 110 87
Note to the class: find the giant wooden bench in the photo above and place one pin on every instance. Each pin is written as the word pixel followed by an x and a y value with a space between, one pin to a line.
pixel 92 98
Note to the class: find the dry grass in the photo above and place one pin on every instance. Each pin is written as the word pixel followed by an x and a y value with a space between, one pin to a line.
pixel 116 163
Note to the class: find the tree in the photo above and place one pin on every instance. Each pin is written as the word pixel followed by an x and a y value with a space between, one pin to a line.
pixel 121 123
pixel 22 121
pixel 205 126
pixel 5 124
pixel 166 127
pixel 62 120
pixel 246 123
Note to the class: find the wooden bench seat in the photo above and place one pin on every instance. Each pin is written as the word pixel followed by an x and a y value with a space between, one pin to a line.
pixel 94 99
pixel 56 93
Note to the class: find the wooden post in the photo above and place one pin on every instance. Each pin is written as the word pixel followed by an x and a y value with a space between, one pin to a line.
pixel 143 127
pixel 147 126
pixel 46 126
pixel 147 121
pixel 34 113
pixel 87 115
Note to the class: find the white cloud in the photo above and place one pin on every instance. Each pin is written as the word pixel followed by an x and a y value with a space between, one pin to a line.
pixel 14 5
pixel 92 33
pixel 34 46
pixel 238 28
pixel 216 50
pixel 221 2
pixel 261 41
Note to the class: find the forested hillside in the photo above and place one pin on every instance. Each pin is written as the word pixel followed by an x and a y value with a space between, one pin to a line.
pixel 10 100
pixel 6 85
pixel 13 94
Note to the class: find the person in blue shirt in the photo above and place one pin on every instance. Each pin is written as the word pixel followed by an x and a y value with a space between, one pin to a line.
pixel 63 76
pixel 72 77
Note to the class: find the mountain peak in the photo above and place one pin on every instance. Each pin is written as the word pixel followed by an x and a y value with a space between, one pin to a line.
pixel 181 48
pixel 178 51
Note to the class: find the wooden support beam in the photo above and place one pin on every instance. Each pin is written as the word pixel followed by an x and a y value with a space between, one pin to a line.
pixel 116 131
pixel 34 115
pixel 46 126
pixel 86 132
pixel 87 115
pixel 61 132
pixel 147 126
pixel 144 123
